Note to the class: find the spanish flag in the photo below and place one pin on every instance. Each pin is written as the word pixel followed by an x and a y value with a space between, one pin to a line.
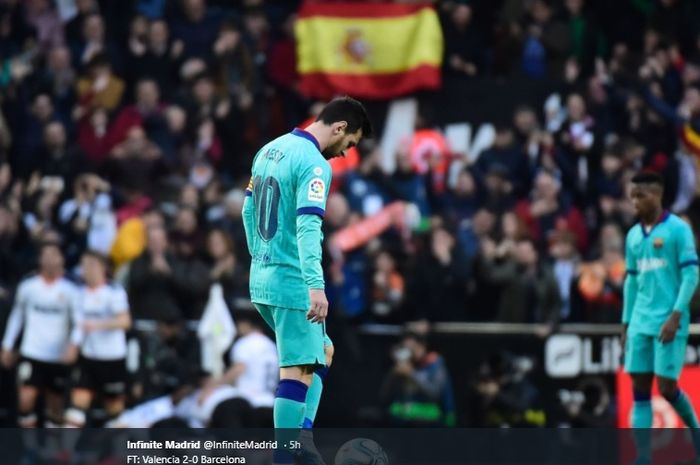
pixel 374 50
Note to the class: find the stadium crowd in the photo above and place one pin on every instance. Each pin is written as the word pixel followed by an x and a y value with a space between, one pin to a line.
pixel 128 128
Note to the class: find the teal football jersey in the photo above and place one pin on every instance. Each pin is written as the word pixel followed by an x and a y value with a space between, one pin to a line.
pixel 290 177
pixel 657 257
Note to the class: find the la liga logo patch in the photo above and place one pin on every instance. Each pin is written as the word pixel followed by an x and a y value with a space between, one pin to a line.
pixel 317 190
pixel 658 242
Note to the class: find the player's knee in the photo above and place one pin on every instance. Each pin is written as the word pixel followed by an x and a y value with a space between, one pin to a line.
pixel 642 383
pixel 669 390
pixel 81 398
pixel 27 398
pixel 330 351
pixel 114 406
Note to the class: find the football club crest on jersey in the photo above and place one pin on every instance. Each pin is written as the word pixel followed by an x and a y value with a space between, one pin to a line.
pixel 658 242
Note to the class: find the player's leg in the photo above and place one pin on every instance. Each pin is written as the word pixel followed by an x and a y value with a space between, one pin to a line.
pixel 669 360
pixel 81 394
pixel 54 408
pixel 113 379
pixel 300 350
pixel 639 363
pixel 55 396
pixel 668 363
pixel 313 396
pixel 294 376
pixel 29 375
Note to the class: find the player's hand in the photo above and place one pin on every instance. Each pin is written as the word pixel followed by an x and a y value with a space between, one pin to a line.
pixel 670 327
pixel 319 306
pixel 7 358
pixel 91 325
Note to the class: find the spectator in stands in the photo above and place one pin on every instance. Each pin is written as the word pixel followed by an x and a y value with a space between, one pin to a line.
pixel 155 279
pixel 196 28
pixel 463 43
pixel 147 112
pixel 527 289
pixel 187 242
pixel 74 28
pixel 549 209
pixel 174 348
pixel 503 395
pixel 387 287
pixel 41 113
pixel 461 203
pixel 59 78
pixel 576 139
pixel 94 138
pixel 136 162
pixel 56 158
pixel 507 155
pixel 363 188
pixel 225 267
pixel 87 220
pixel 597 296
pixel 158 60
pixel 100 88
pixel 419 378
pixel 94 44
pixel 437 289
pixel 562 250
pixel 408 185
pixel 42 15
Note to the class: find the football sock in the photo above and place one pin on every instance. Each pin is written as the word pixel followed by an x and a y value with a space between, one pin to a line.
pixel 289 410
pixel 313 396
pixel 642 420
pixel 684 408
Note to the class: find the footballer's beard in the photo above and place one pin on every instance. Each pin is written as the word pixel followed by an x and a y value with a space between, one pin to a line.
pixel 333 151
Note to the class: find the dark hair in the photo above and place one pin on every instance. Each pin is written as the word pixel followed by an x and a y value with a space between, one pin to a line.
pixel 648 177
pixel 102 258
pixel 347 109
pixel 45 244
pixel 420 338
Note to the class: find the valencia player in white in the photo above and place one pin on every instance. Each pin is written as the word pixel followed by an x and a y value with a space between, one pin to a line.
pixel 104 318
pixel 44 313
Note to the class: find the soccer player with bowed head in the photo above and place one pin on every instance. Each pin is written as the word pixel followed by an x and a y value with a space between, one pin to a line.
pixel 283 210
pixel 662 274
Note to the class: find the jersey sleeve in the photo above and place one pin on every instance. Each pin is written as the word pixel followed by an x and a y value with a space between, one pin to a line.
pixel 119 301
pixel 630 259
pixel 238 352
pixel 688 263
pixel 630 286
pixel 313 183
pixel 687 253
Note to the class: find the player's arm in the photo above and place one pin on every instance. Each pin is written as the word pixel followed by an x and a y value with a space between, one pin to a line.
pixel 688 263
pixel 249 214
pixel 76 334
pixel 312 192
pixel 630 287
pixel 121 318
pixel 14 326
pixel 629 291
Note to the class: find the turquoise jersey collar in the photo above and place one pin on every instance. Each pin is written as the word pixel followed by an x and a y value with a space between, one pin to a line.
pixel 308 136
pixel 664 216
